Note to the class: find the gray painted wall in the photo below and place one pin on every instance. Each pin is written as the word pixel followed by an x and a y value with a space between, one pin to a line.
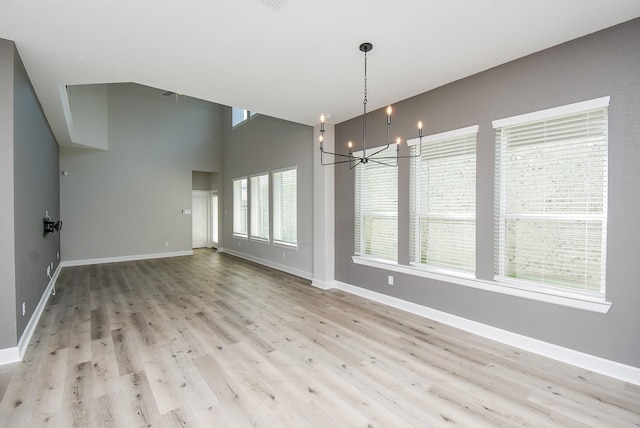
pixel 601 64
pixel 29 187
pixel 127 201
pixel 37 190
pixel 204 180
pixel 264 144
pixel 8 336
pixel 88 104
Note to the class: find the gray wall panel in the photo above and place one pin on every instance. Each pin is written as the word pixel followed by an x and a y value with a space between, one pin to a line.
pixel 127 201
pixel 7 248
pixel 601 64
pixel 37 190
pixel 264 144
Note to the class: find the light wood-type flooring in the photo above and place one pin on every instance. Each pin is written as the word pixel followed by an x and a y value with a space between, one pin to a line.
pixel 214 341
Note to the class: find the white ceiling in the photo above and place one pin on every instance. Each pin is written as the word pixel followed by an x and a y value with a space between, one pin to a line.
pixel 294 61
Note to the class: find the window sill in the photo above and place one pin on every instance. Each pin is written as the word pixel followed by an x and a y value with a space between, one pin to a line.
pixel 286 245
pixel 577 302
pixel 259 240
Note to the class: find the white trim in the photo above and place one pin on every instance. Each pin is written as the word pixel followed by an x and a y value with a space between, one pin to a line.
pixel 323 285
pixel 86 262
pixel 552 112
pixel 35 318
pixel 283 244
pixel 445 135
pixel 285 169
pixel 283 268
pixel 577 301
pixel 16 353
pixel 579 359
pixel 9 355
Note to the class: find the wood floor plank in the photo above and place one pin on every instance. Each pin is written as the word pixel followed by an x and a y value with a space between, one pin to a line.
pixel 211 340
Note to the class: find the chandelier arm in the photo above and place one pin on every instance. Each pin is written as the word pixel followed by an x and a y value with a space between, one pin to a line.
pixel 382 149
pixel 379 162
pixel 335 154
pixel 323 163
pixel 366 157
pixel 333 163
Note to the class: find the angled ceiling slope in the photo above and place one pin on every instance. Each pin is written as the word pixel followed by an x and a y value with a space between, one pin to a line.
pixel 291 59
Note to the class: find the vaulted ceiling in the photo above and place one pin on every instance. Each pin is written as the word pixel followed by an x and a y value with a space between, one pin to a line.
pixel 291 59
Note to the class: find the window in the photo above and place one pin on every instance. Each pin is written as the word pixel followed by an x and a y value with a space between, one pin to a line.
pixel 239 115
pixel 443 201
pixel 260 206
pixel 240 207
pixel 285 206
pixel 551 198
pixel 376 210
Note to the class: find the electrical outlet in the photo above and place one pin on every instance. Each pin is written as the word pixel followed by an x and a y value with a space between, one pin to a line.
pixel 390 280
pixel 24 308
pixel 48 270
pixel 51 265
pixel 58 255
pixel 166 244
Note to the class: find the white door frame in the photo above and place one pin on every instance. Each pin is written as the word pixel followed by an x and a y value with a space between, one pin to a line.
pixel 214 216
pixel 207 194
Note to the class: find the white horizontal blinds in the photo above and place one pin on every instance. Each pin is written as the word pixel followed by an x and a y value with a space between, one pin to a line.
pixel 285 206
pixel 260 206
pixel 240 206
pixel 551 209
pixel 376 210
pixel 443 201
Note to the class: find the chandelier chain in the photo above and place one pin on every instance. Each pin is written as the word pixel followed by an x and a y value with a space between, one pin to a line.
pixel 365 78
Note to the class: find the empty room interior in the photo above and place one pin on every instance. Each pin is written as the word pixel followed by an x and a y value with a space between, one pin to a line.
pixel 311 214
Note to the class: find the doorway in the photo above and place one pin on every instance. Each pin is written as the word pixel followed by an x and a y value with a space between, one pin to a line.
pixel 201 219
pixel 214 219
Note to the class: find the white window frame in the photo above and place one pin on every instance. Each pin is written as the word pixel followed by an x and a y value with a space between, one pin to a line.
pixel 561 297
pixel 256 232
pixel 359 216
pixel 238 231
pixel 502 215
pixel 416 192
pixel 277 208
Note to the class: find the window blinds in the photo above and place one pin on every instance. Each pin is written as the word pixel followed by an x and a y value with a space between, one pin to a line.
pixel 376 210
pixel 240 206
pixel 260 206
pixel 285 220
pixel 551 199
pixel 443 201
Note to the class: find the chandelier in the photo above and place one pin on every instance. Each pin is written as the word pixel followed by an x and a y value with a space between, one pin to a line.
pixel 366 155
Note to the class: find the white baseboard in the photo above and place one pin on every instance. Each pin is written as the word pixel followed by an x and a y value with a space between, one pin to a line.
pixel 579 359
pixel 16 353
pixel 9 355
pixel 283 268
pixel 86 262
pixel 323 285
